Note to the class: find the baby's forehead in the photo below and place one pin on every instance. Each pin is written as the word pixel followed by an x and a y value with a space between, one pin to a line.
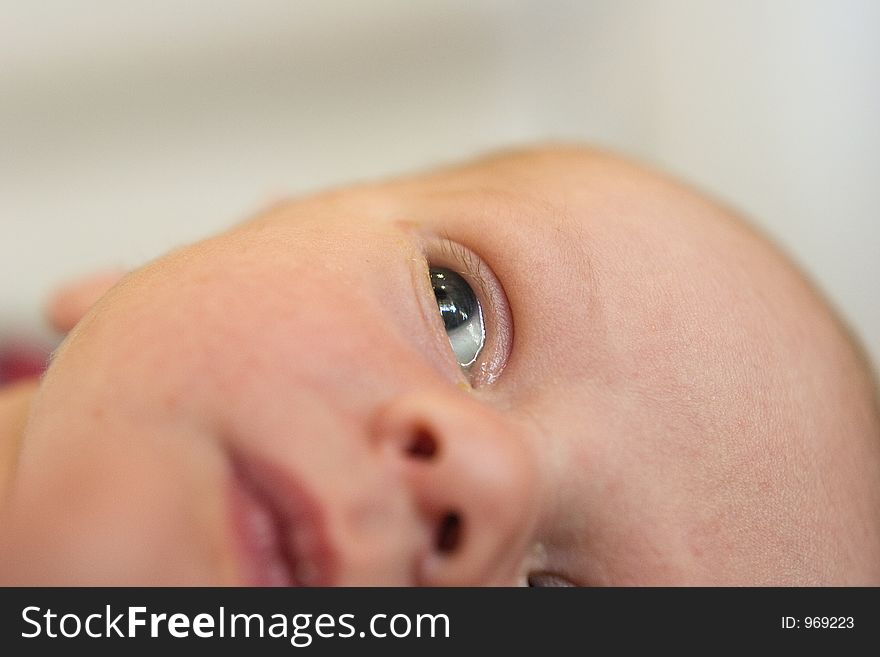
pixel 555 198
pixel 563 191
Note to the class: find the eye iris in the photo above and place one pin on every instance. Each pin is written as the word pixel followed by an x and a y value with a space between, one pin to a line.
pixel 461 313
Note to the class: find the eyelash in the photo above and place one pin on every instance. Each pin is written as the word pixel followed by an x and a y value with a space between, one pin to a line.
pixel 471 265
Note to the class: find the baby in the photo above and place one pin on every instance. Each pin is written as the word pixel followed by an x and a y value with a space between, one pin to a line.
pixel 545 368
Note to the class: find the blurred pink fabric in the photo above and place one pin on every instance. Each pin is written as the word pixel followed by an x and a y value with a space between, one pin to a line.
pixel 21 358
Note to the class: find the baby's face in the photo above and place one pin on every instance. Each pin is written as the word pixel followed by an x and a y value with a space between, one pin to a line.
pixel 655 397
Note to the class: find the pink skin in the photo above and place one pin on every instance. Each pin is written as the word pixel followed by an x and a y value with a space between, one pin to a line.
pixel 662 399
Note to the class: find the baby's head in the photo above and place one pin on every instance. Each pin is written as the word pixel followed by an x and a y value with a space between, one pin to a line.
pixel 547 366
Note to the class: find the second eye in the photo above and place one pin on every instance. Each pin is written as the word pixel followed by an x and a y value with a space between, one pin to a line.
pixel 461 313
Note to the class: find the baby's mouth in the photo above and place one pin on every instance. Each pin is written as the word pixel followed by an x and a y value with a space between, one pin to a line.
pixel 277 529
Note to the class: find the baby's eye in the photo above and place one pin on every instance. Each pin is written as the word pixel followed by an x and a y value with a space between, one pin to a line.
pixel 548 580
pixel 461 313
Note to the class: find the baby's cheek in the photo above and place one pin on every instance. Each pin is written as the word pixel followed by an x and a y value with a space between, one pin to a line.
pixel 119 511
pixel 631 494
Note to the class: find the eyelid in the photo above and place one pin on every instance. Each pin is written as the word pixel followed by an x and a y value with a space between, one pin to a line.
pixel 444 251
pixel 471 265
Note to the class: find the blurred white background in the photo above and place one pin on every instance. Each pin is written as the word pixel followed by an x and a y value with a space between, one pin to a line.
pixel 127 128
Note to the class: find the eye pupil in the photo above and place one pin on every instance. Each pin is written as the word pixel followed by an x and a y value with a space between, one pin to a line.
pixel 454 297
pixel 461 314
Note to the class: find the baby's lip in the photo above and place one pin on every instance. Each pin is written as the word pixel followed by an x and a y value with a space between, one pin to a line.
pixel 278 529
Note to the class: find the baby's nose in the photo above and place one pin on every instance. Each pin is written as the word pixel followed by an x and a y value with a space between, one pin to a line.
pixel 474 484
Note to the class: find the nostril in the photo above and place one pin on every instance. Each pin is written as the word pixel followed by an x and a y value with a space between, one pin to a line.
pixel 449 533
pixel 423 445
